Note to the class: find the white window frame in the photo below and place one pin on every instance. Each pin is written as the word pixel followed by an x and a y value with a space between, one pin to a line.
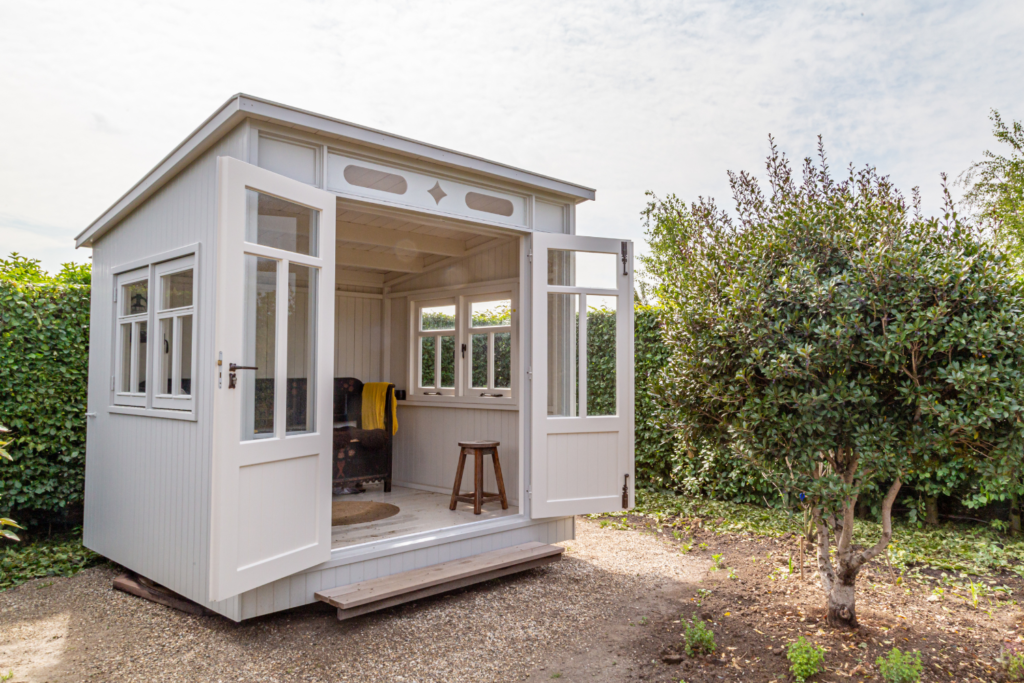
pixel 490 392
pixel 417 337
pixel 150 268
pixel 162 400
pixel 462 392
pixel 121 397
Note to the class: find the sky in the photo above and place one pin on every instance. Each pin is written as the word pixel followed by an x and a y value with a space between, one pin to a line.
pixel 625 97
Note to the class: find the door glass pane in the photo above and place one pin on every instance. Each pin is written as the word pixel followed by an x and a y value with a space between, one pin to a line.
pixel 281 224
pixel 601 347
pixel 437 318
pixel 135 298
pixel 185 387
pixel 491 313
pixel 448 362
pixel 302 295
pixel 259 332
pixel 176 289
pixel 503 360
pixel 478 362
pixel 563 354
pixel 140 358
pixel 427 360
pixel 583 269
pixel 166 353
pixel 126 358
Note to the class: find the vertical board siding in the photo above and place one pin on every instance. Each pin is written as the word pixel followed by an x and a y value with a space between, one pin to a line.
pixel 358 338
pixel 147 479
pixel 426 449
pixel 298 590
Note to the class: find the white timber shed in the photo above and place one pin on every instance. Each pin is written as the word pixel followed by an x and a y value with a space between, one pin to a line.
pixel 276 261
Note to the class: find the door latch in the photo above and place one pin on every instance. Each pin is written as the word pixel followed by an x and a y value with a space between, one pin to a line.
pixel 625 493
pixel 625 256
pixel 232 377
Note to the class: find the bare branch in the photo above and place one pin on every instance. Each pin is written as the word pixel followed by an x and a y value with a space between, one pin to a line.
pixel 883 542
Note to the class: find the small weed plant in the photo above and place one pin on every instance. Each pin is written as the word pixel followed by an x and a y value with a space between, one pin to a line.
pixel 700 640
pixel 702 595
pixel 900 667
pixel 805 659
pixel 716 562
pixel 732 574
pixel 1015 667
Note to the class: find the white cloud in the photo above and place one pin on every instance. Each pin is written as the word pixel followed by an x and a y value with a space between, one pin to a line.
pixel 621 96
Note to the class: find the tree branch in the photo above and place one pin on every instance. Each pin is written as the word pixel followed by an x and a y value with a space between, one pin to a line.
pixel 883 542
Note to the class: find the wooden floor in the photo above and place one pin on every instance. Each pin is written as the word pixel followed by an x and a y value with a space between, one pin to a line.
pixel 420 511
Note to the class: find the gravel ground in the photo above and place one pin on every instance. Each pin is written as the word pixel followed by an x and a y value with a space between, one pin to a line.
pixel 520 627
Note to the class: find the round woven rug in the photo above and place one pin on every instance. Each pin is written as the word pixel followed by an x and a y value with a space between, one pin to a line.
pixel 344 512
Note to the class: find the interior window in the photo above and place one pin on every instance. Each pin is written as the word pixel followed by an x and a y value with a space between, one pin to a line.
pixel 463 347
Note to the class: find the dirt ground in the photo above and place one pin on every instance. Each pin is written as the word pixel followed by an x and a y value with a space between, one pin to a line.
pixel 608 612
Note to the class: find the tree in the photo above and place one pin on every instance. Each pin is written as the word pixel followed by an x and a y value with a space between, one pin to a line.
pixel 995 188
pixel 837 341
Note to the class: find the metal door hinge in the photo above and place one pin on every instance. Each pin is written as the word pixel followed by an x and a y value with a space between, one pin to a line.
pixel 625 493
pixel 530 255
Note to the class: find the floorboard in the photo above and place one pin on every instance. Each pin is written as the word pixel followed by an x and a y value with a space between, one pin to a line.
pixel 419 511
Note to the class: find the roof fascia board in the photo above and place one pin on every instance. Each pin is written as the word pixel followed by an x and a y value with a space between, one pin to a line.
pixel 316 123
pixel 198 141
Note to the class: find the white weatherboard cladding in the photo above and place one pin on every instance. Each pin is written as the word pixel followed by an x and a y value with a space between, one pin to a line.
pixel 357 338
pixel 418 194
pixel 298 590
pixel 147 479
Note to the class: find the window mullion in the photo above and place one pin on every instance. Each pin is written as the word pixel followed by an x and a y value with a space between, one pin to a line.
pixel 490 361
pixel 175 355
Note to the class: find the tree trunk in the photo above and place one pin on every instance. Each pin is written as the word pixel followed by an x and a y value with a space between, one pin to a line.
pixel 931 510
pixel 1014 515
pixel 842 609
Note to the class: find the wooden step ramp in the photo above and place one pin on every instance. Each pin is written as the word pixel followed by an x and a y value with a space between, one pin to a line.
pixel 388 591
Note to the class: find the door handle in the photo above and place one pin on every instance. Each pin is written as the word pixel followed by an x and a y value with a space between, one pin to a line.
pixel 232 377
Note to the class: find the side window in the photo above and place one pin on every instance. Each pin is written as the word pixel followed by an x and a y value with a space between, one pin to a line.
pixel 132 356
pixel 489 356
pixel 175 334
pixel 435 334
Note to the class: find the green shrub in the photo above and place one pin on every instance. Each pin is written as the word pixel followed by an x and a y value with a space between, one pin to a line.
pixel 44 357
pixel 60 555
pixel 805 659
pixel 900 667
pixel 700 640
pixel 1015 667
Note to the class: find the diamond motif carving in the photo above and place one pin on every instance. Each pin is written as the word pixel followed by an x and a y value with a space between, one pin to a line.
pixel 437 193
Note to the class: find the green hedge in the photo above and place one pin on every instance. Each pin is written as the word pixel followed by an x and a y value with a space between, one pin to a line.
pixel 44 358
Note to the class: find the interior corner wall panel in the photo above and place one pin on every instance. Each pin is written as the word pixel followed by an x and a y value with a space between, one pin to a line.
pixel 147 485
pixel 358 338
pixel 426 449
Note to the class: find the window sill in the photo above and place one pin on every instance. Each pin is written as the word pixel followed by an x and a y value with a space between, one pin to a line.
pixel 188 415
pixel 460 402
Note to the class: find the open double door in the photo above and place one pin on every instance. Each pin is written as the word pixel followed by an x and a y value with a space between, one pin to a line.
pixel 272 412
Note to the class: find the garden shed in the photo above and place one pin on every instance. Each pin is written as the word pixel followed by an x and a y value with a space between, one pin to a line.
pixel 296 321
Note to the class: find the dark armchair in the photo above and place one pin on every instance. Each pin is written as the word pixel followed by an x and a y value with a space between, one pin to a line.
pixel 360 455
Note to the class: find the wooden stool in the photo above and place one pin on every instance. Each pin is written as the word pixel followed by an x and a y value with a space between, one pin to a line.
pixel 479 496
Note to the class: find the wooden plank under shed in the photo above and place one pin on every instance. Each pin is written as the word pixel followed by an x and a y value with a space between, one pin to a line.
pixel 387 591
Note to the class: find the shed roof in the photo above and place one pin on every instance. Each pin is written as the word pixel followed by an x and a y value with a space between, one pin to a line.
pixel 240 106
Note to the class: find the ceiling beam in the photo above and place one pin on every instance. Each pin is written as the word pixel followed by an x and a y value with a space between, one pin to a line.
pixel 399 239
pixel 391 281
pixel 378 260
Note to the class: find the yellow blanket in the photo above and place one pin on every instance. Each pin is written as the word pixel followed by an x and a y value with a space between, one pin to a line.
pixel 374 396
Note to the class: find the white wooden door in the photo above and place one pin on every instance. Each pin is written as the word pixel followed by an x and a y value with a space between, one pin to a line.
pixel 581 375
pixel 271 493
